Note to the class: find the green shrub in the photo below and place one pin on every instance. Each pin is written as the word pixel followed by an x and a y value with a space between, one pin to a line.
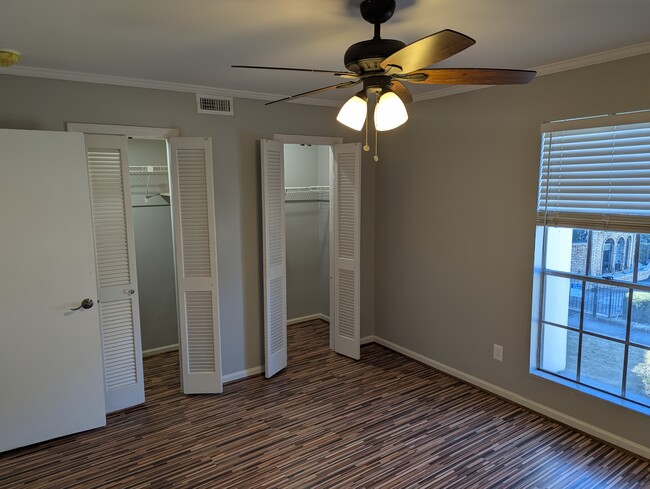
pixel 642 370
pixel 641 308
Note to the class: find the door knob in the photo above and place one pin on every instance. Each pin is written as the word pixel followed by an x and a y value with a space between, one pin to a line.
pixel 129 291
pixel 85 304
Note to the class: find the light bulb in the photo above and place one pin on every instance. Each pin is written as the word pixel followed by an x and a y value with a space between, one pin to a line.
pixel 390 112
pixel 353 113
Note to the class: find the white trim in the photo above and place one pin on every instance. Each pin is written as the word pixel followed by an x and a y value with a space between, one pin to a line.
pixel 311 317
pixel 129 131
pixel 242 374
pixel 123 81
pixel 548 69
pixel 570 64
pixel 594 59
pixel 315 140
pixel 523 401
pixel 366 340
pixel 605 120
pixel 162 349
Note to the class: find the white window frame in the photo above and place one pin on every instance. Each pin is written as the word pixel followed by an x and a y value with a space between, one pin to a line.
pixel 636 221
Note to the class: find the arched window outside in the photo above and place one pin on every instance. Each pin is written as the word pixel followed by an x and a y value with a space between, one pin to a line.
pixel 628 256
pixel 620 255
pixel 608 256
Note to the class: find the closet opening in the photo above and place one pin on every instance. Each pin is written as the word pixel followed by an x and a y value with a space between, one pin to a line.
pixel 307 176
pixel 154 244
pixel 310 241
pixel 180 307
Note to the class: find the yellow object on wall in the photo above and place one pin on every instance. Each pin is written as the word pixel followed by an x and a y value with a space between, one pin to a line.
pixel 9 57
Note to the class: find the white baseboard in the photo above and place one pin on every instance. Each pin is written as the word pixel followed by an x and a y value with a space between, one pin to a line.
pixel 523 401
pixel 242 374
pixel 162 349
pixel 311 317
pixel 366 340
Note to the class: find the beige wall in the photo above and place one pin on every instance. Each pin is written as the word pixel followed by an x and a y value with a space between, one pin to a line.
pixel 32 103
pixel 456 194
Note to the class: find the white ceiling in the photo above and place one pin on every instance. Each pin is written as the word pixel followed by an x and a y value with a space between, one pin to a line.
pixel 195 41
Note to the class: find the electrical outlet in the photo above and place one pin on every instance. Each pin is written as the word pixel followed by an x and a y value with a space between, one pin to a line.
pixel 497 352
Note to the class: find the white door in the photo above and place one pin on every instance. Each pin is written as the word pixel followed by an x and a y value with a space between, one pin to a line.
pixel 274 263
pixel 51 381
pixel 346 198
pixel 110 198
pixel 195 250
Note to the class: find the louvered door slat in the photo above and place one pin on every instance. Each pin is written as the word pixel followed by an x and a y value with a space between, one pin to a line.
pixel 346 313
pixel 111 228
pixel 200 331
pixel 275 290
pixel 195 248
pixel 193 189
pixel 116 276
pixel 347 221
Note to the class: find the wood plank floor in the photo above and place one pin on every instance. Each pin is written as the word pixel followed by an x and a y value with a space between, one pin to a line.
pixel 326 421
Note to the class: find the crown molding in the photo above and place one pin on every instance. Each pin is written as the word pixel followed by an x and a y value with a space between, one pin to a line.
pixel 566 65
pixel 154 84
pixel 570 64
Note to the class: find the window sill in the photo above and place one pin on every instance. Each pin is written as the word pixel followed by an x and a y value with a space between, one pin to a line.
pixel 592 392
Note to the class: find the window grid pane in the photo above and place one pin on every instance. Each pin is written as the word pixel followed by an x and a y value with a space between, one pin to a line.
pixel 593 333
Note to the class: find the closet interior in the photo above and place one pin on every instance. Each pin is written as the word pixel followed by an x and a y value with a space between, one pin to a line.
pixel 154 251
pixel 307 227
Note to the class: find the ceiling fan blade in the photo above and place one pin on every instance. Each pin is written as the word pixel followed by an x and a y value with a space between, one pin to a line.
pixel 470 76
pixel 426 51
pixel 318 90
pixel 347 74
pixel 401 91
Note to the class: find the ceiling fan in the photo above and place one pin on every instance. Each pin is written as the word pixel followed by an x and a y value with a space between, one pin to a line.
pixel 383 65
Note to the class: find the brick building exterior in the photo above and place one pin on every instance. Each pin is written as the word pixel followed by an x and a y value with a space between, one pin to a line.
pixel 612 254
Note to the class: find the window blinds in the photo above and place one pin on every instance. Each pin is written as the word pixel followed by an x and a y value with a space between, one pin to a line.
pixel 596 176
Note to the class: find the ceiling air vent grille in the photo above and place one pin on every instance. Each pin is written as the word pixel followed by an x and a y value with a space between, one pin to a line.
pixel 209 104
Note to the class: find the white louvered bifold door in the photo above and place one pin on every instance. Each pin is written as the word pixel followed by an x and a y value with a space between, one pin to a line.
pixel 273 238
pixel 195 249
pixel 110 197
pixel 346 194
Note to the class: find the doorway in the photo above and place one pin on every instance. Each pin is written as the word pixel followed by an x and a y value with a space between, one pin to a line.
pixel 154 244
pixel 344 253
pixel 307 231
pixel 190 170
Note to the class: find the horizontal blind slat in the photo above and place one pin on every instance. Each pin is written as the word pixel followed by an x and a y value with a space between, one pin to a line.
pixel 595 175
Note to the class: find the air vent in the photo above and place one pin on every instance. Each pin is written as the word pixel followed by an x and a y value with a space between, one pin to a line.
pixel 208 104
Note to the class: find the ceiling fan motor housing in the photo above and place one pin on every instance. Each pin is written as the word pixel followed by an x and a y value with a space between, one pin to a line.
pixel 377 11
pixel 366 56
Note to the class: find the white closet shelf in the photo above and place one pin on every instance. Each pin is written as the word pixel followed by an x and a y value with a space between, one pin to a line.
pixel 313 193
pixel 312 188
pixel 148 170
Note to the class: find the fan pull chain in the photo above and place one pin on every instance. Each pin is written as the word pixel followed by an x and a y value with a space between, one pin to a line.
pixel 376 157
pixel 365 146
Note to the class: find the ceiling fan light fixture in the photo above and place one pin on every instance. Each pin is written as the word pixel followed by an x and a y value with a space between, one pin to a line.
pixel 390 112
pixel 353 113
pixel 9 57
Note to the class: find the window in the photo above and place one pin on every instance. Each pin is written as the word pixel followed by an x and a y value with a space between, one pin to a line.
pixel 591 327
